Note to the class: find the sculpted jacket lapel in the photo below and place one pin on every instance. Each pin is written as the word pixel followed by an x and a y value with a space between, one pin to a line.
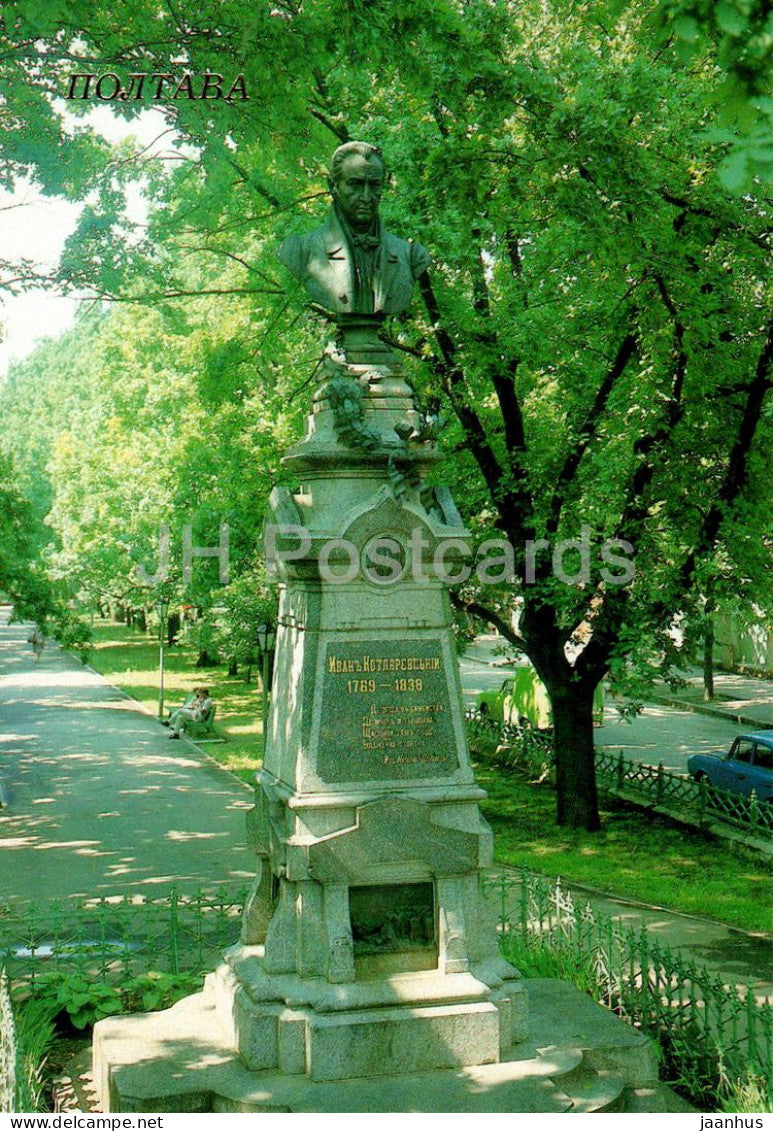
pixel 386 268
pixel 339 265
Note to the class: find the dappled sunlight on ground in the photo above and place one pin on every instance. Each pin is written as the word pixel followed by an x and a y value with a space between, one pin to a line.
pixel 86 773
pixel 177 834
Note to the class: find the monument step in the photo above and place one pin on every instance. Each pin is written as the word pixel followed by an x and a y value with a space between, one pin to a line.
pixel 425 987
pixel 658 1098
pixel 592 1091
pixel 387 1042
pixel 580 1058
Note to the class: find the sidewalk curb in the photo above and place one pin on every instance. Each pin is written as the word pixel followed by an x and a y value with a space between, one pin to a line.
pixel 706 709
pixel 489 663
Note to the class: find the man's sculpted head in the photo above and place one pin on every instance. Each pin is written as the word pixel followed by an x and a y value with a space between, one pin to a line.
pixel 350 264
pixel 357 174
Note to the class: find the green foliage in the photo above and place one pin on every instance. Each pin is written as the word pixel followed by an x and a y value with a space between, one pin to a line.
pixel 73 633
pixel 244 604
pixel 156 990
pixel 739 35
pixel 20 537
pixel 35 1034
pixel 538 959
pixel 749 1093
pixel 520 748
pixel 26 1034
pixel 85 1000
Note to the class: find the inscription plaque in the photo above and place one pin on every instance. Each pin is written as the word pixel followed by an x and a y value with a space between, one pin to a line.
pixel 386 712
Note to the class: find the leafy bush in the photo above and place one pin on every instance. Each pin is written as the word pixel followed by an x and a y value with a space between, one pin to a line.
pixel 155 990
pixel 35 1034
pixel 81 998
pixel 512 747
pixel 26 1034
pixel 73 634
pixel 750 1093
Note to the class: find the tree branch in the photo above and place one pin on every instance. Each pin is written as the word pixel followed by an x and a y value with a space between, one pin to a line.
pixel 339 131
pixel 587 433
pixel 493 618
pixel 737 471
pixel 452 378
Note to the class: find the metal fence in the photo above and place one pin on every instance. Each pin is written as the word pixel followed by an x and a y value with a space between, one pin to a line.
pixel 113 939
pixel 653 785
pixel 508 745
pixel 706 801
pixel 711 1032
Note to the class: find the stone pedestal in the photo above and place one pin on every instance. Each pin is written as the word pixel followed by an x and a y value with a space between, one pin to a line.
pixel 367 948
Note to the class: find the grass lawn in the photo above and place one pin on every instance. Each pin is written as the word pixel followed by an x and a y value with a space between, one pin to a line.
pixel 637 855
pixel 128 659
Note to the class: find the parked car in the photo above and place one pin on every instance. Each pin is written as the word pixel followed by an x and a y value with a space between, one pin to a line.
pixel 747 766
pixel 523 696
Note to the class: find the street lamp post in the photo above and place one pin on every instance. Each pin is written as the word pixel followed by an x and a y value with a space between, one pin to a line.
pixel 162 607
pixel 266 641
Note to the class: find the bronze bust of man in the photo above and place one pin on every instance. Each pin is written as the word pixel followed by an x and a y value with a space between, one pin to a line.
pixel 352 264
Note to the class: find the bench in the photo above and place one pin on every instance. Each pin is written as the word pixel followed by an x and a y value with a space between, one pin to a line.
pixel 204 729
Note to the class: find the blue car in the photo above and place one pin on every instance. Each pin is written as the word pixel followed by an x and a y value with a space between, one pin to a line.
pixel 747 767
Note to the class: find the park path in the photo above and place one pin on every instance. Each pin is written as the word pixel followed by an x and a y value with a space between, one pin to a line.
pixel 96 801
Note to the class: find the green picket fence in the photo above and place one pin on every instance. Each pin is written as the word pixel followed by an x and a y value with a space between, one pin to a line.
pixel 652 785
pixel 674 792
pixel 711 1033
pixel 112 939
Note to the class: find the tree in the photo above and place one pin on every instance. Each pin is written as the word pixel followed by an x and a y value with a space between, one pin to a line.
pixel 20 579
pixel 598 317
pixel 738 34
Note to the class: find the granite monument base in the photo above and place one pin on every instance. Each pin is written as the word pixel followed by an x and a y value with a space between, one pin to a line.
pixel 578 1057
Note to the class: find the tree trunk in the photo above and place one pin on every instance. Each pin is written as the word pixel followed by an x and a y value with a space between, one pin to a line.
pixel 140 620
pixel 708 652
pixel 172 628
pixel 578 806
pixel 233 668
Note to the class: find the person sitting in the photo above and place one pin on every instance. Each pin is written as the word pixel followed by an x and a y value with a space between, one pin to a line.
pixel 199 712
pixel 188 703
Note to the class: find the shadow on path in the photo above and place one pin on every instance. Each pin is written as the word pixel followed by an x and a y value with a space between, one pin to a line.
pixel 95 801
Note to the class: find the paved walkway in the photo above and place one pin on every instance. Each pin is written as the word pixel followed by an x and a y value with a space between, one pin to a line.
pixel 745 699
pixel 96 800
